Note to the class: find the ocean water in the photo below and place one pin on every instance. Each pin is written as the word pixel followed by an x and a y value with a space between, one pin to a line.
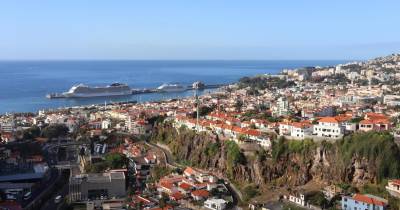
pixel 24 84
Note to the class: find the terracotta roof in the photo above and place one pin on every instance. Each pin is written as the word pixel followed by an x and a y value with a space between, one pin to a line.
pixel 200 193
pixel 395 181
pixel 190 171
pixel 369 200
pixel 177 195
pixel 167 185
pixel 336 119
pixel 185 186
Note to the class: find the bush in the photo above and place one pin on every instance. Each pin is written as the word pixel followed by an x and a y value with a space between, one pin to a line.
pixel 249 192
pixel 116 160
pixel 212 149
pixel 378 148
pixel 234 156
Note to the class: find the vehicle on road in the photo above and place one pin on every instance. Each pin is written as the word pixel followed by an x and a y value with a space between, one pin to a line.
pixel 27 195
pixel 57 199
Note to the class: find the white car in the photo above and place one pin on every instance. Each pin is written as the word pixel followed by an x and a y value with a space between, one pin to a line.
pixel 57 199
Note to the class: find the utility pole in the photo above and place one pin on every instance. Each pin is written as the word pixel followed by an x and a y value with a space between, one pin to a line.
pixel 197 110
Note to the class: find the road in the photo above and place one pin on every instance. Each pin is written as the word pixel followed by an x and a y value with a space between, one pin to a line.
pixel 63 191
pixel 42 190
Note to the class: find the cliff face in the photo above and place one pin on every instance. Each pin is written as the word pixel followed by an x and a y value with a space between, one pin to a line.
pixel 320 163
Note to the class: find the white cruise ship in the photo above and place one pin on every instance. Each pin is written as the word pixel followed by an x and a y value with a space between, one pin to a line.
pixel 171 88
pixel 84 91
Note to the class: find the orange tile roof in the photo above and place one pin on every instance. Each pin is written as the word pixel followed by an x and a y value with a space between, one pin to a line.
pixel 200 193
pixel 167 185
pixel 369 200
pixel 177 195
pixel 185 186
pixel 189 171
pixel 336 119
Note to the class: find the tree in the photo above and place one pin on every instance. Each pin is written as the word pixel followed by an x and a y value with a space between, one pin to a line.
pixel 116 160
pixel 55 131
pixel 238 105
pixel 31 132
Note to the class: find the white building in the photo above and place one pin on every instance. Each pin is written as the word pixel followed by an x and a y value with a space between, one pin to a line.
pixel 393 187
pixel 330 127
pixel 215 204
pixel 106 124
pixel 282 107
pixel 301 130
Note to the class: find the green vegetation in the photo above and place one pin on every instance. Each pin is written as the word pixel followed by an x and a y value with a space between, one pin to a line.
pixel 234 156
pixel 212 149
pixel 159 171
pixel 263 82
pixel 238 105
pixel 378 148
pixel 283 147
pixel 55 131
pixel 111 161
pixel 249 192
pixel 203 111
pixel 356 120
pixel 318 199
pixel 116 160
pixel 292 207
pixel 31 132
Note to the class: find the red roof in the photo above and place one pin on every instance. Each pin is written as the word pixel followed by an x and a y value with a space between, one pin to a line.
pixel 328 120
pixel 185 186
pixel 395 181
pixel 369 200
pixel 200 193
pixel 167 185
pixel 177 195
pixel 190 171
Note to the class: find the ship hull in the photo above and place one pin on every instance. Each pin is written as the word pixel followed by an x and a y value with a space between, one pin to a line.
pixel 90 95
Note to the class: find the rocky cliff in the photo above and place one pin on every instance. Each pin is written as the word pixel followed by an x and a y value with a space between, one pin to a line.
pixel 289 163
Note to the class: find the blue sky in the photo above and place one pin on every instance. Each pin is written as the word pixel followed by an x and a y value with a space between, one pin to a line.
pixel 204 29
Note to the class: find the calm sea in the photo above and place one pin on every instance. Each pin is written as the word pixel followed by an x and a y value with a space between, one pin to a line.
pixel 24 84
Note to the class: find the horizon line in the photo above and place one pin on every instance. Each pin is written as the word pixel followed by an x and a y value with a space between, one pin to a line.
pixel 111 59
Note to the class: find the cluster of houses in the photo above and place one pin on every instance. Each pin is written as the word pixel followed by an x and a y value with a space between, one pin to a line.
pixel 189 189
pixel 194 185
pixel 227 127
pixel 348 202
pixel 335 127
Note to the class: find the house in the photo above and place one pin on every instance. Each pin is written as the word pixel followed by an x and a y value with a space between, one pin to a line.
pixel 301 129
pixel 393 187
pixel 330 127
pixel 190 172
pixel 168 187
pixel 200 194
pixel 106 124
pixel 331 191
pixel 363 201
pixel 298 198
pixel 7 137
pixel 185 188
pixel 150 158
pixel 297 130
pixel 215 204
pixel 375 121
pixel 176 196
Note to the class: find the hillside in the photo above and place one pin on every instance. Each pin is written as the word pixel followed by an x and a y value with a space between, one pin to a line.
pixel 358 159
